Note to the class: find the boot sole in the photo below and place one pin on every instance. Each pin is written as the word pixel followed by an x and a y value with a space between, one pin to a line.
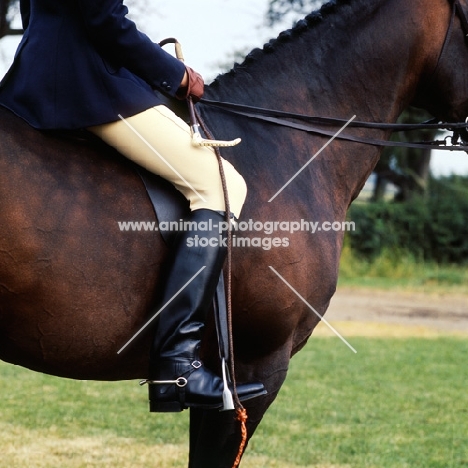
pixel 177 407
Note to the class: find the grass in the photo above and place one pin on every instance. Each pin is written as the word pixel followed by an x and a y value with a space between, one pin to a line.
pixel 397 403
pixel 399 270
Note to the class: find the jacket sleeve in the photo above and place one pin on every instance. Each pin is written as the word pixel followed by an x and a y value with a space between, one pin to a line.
pixel 25 10
pixel 118 40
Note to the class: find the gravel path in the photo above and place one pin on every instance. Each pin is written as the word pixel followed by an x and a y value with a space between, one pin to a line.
pixel 414 312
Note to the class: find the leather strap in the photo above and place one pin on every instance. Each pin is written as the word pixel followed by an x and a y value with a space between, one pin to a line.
pixel 330 121
pixel 330 133
pixel 221 319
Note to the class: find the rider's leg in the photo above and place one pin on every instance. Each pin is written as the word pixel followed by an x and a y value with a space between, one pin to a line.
pixel 197 263
pixel 161 142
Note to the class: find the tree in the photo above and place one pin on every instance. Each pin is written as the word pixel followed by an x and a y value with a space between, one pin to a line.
pixel 279 9
pixel 8 8
pixel 406 168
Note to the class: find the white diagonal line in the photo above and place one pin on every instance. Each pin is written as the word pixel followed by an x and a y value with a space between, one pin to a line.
pixel 160 156
pixel 161 309
pixel 313 157
pixel 314 311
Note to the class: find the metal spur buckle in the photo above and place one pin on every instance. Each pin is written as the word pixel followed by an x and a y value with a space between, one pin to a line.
pixel 180 382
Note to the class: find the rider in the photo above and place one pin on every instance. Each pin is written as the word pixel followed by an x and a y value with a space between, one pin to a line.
pixel 84 64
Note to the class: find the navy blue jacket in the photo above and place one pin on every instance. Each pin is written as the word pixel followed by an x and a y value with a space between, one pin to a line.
pixel 82 63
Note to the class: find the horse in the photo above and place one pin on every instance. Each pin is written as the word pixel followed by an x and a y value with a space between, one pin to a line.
pixel 74 288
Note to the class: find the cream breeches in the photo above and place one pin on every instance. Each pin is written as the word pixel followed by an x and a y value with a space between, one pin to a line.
pixel 159 141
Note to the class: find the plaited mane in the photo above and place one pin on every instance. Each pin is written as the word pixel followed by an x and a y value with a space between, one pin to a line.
pixel 307 23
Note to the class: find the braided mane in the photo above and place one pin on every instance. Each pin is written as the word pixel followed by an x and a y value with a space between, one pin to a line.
pixel 306 24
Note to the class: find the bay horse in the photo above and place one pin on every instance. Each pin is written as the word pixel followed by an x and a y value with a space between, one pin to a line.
pixel 74 288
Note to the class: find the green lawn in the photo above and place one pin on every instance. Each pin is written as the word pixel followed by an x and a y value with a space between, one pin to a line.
pixel 396 403
pixel 399 270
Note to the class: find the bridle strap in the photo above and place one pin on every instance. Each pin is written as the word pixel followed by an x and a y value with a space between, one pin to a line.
pixel 354 138
pixel 246 110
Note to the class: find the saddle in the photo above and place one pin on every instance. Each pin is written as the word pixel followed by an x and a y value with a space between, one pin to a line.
pixel 168 203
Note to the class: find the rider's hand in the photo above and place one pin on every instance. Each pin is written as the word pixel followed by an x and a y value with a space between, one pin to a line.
pixel 192 85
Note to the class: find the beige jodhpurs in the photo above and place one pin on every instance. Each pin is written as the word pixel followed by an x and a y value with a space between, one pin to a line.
pixel 160 141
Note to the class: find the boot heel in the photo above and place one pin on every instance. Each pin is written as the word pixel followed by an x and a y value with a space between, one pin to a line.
pixel 165 407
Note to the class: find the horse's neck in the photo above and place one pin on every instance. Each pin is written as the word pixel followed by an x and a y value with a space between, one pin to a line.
pixel 365 58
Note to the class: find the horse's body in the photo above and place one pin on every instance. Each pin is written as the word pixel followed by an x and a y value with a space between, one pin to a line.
pixel 74 288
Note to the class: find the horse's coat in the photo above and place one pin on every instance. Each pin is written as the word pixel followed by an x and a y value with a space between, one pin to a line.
pixel 74 289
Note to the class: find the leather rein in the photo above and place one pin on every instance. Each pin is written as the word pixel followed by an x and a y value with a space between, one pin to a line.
pixel 309 123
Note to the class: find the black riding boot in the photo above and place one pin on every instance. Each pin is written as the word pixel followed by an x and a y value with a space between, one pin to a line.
pixel 191 284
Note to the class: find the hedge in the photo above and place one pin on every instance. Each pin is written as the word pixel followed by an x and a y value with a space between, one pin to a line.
pixel 434 228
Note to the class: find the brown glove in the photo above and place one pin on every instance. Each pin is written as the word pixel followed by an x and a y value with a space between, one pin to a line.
pixel 194 88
